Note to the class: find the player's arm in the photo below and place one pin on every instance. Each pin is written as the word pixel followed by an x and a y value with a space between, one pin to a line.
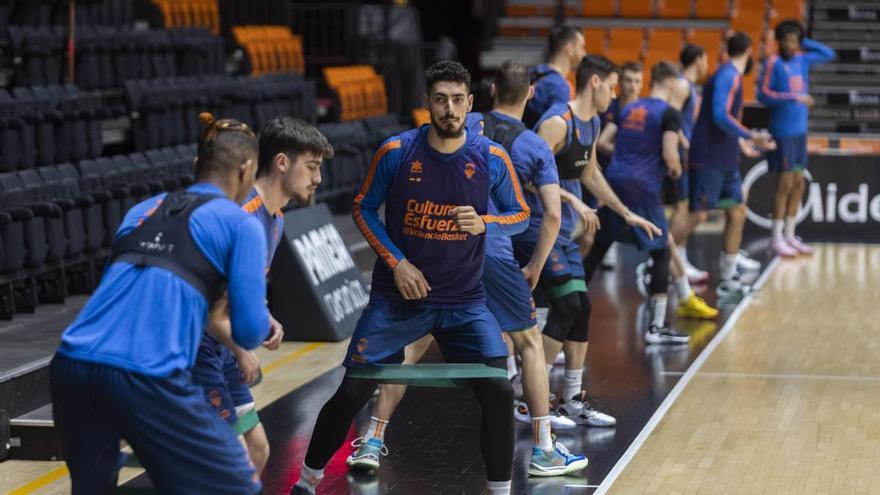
pixel 595 182
pixel 248 316
pixel 506 192
pixel 816 53
pixel 553 131
pixel 722 101
pixel 605 143
pixel 768 92
pixel 670 124
pixel 547 180
pixel 369 199
pixel 681 91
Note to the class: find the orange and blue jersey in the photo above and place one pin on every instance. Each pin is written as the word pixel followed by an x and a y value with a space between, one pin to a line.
pixel 551 88
pixel 272 222
pixel 534 165
pixel 637 169
pixel 570 167
pixel 715 142
pixel 419 187
pixel 782 81
pixel 690 111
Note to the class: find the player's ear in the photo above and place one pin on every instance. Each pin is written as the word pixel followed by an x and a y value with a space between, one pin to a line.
pixel 531 92
pixel 493 90
pixel 281 162
pixel 471 102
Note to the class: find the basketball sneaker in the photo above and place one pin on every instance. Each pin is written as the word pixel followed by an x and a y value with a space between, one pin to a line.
pixel 643 277
pixel 557 421
pixel 583 413
pixel 799 246
pixel 733 288
pixel 746 264
pixel 694 274
pixel 367 454
pixel 695 307
pixel 610 259
pixel 557 462
pixel 781 247
pixel 665 335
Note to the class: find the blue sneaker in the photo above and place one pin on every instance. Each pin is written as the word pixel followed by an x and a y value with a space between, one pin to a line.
pixel 557 462
pixel 367 454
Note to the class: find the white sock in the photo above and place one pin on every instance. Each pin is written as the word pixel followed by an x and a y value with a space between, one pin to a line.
pixel 309 478
pixel 376 429
pixel 683 252
pixel 790 223
pixel 541 430
pixel 728 266
pixel 499 487
pixel 572 380
pixel 683 286
pixel 777 228
pixel 658 310
pixel 511 367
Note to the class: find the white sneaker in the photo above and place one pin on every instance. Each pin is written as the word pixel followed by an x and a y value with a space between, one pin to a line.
pixel 694 274
pixel 733 289
pixel 583 413
pixel 610 259
pixel 643 277
pixel 746 264
pixel 557 422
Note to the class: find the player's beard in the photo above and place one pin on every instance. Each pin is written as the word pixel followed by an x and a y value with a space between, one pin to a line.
pixel 444 131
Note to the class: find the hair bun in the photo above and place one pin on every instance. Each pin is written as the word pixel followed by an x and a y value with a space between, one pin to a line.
pixel 207 118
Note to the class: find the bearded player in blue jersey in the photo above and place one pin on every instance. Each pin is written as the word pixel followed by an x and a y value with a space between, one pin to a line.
pixel 784 89
pixel 436 183
pixel 122 370
pixel 289 160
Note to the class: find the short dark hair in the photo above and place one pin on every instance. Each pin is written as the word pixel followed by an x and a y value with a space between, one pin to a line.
pixel 631 66
pixel 789 26
pixel 559 37
pixel 292 137
pixel 738 44
pixel 689 54
pixel 663 71
pixel 447 70
pixel 224 144
pixel 511 83
pixel 592 65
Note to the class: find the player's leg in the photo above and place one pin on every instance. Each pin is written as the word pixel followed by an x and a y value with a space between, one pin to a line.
pixel 690 305
pixel 371 447
pixel 794 200
pixel 247 421
pixel 779 161
pixel 88 438
pixel 381 334
pixel 731 287
pixel 659 331
pixel 257 444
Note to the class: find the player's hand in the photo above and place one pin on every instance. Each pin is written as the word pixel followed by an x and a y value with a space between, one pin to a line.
pixel 806 99
pixel 410 281
pixel 531 274
pixel 683 140
pixel 763 140
pixel 276 334
pixel 587 215
pixel 674 172
pixel 468 220
pixel 640 223
pixel 748 148
pixel 249 363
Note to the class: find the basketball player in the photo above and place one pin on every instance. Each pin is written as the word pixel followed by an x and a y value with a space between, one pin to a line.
pixel 436 183
pixel 784 90
pixel 570 130
pixel 288 167
pixel 566 48
pixel 122 369
pixel 718 138
pixel 508 287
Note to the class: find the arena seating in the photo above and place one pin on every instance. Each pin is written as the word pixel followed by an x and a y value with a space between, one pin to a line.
pixel 360 90
pixel 270 48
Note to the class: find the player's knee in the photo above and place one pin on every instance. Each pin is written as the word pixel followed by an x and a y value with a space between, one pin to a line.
pixel 580 330
pixel 528 343
pixel 701 216
pixel 258 450
pixel 737 213
pixel 498 391
pixel 563 312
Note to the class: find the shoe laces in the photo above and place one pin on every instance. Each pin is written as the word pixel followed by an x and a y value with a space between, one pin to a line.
pixel 359 442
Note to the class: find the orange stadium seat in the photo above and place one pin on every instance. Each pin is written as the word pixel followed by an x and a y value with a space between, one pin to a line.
pixel 788 9
pixel 623 54
pixel 748 21
pixel 599 8
pixel 673 9
pixel 626 38
pixel 750 5
pixel 636 8
pixel 520 10
pixel 360 90
pixel 595 40
pixel 665 40
pixel 711 9
pixel 421 116
pixel 190 13
pixel 270 48
pixel 711 41
pixel 750 86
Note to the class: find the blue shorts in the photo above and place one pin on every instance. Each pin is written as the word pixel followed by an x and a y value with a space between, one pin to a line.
pixel 465 335
pixel 217 372
pixel 712 187
pixel 790 155
pixel 615 229
pixel 563 264
pixel 508 295
pixel 677 190
pixel 184 445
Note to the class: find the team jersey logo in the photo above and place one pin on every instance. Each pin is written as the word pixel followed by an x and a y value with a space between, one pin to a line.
pixel 362 345
pixel 469 170
pixel 636 119
pixel 415 168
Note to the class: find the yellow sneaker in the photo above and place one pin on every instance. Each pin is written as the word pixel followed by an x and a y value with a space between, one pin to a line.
pixel 695 307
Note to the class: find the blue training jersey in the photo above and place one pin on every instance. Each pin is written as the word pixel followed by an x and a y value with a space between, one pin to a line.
pixel 586 132
pixel 272 222
pixel 782 81
pixel 419 187
pixel 690 111
pixel 609 115
pixel 715 142
pixel 534 165
pixel 550 89
pixel 150 321
pixel 637 169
